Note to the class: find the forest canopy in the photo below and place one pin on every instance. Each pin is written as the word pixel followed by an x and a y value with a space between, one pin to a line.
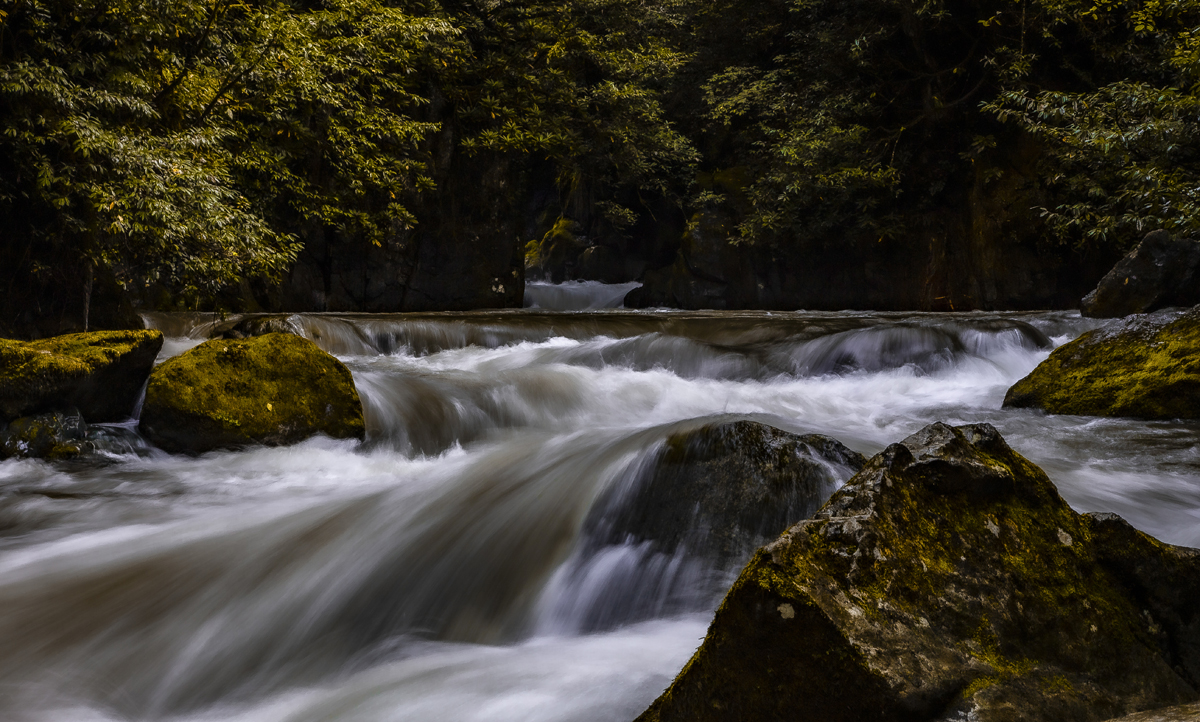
pixel 193 144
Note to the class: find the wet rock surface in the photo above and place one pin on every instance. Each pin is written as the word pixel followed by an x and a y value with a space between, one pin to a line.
pixel 252 326
pixel 1178 713
pixel 100 374
pixel 1145 366
pixel 55 435
pixel 726 488
pixel 273 389
pixel 948 580
pixel 1162 271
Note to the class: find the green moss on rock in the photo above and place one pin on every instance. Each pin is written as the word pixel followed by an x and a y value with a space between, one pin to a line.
pixel 555 252
pixel 1145 367
pixel 274 389
pixel 100 373
pixel 947 580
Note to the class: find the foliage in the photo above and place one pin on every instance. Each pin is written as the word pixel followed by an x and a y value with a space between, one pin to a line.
pixel 1123 158
pixel 871 114
pixel 580 84
pixel 103 164
pixel 196 143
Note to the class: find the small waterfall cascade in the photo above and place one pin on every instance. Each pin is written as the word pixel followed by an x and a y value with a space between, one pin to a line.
pixel 495 549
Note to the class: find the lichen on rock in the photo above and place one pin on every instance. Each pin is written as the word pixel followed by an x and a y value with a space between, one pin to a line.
pixel 273 389
pixel 100 373
pixel 947 580
pixel 1145 366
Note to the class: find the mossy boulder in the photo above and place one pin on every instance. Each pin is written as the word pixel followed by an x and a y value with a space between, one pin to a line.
pixel 1146 367
pixel 274 389
pixel 726 488
pixel 948 580
pixel 100 373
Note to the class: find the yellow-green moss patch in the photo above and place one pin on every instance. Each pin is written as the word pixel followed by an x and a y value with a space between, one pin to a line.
pixel 273 389
pixel 100 373
pixel 1147 368
pixel 946 580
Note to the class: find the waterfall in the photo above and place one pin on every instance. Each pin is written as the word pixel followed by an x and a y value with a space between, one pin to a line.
pixel 468 560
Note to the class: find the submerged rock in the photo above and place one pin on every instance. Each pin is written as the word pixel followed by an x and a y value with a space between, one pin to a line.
pixel 726 488
pixel 1162 271
pixel 56 435
pixel 948 580
pixel 1145 367
pixel 273 389
pixel 100 373
pixel 260 325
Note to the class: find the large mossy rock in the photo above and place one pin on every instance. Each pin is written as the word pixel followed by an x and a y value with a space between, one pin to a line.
pixel 100 373
pixel 948 580
pixel 1162 271
pixel 274 389
pixel 724 489
pixel 1146 367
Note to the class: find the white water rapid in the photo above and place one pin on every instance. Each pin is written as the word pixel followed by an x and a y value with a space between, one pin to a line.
pixel 442 570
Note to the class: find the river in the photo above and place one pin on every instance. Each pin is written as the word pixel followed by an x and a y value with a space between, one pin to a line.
pixel 441 570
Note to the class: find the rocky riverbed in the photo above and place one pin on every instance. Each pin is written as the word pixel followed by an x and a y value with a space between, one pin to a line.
pixel 545 512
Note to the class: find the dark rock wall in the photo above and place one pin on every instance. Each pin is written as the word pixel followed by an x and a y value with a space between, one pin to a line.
pixel 464 252
pixel 1162 271
pixel 982 248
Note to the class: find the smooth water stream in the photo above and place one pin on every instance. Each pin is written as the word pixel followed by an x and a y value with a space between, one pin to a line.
pixel 441 570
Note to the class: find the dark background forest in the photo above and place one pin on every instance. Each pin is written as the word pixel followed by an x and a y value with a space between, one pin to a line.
pixel 392 156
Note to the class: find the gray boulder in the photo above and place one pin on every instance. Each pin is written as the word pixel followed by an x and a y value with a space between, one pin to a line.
pixel 726 488
pixel 1162 271
pixel 948 580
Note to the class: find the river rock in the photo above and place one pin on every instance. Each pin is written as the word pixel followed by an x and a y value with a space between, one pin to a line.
pixel 1162 271
pixel 726 488
pixel 55 435
pixel 258 325
pixel 1177 713
pixel 1145 366
pixel 100 373
pixel 274 389
pixel 947 580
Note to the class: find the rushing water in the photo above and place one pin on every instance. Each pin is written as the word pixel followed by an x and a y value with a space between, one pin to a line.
pixel 441 570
